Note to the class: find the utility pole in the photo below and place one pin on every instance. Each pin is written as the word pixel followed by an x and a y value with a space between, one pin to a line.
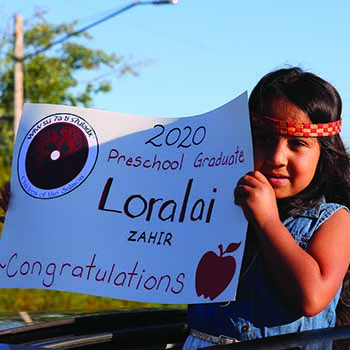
pixel 18 71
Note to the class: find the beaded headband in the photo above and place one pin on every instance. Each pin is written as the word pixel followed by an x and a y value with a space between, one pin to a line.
pixel 294 128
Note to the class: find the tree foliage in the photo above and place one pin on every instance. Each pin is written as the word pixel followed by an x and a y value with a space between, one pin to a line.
pixel 53 75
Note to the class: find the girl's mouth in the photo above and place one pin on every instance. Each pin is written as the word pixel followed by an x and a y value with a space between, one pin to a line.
pixel 276 180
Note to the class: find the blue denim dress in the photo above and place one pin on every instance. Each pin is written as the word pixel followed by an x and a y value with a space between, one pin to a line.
pixel 259 310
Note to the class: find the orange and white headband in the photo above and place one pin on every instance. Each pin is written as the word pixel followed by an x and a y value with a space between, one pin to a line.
pixel 294 128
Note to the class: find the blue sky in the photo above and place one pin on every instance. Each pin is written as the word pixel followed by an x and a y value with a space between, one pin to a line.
pixel 197 55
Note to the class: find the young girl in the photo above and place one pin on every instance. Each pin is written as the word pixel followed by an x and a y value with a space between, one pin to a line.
pixel 298 242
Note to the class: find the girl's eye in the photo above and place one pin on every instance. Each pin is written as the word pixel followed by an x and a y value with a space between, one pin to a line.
pixel 263 138
pixel 296 143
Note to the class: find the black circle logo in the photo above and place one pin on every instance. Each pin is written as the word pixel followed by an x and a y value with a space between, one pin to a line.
pixel 57 155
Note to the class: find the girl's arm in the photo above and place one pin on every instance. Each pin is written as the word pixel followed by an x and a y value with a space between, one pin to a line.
pixel 308 279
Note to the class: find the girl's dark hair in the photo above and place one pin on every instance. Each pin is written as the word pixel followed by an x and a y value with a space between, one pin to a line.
pixel 322 103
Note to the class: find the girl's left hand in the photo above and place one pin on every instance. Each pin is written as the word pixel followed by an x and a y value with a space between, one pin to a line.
pixel 257 198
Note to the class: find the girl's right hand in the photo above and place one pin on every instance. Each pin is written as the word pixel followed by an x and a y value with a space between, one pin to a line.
pixel 256 197
pixel 4 200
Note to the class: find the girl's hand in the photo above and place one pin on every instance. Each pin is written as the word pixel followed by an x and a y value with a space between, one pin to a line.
pixel 4 200
pixel 257 198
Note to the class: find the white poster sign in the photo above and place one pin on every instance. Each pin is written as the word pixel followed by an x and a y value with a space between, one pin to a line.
pixel 124 206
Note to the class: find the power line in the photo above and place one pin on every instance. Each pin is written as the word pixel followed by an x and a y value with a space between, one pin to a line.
pixel 19 57
pixel 91 25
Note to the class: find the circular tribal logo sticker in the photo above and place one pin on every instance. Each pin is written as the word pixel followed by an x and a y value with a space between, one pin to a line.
pixel 57 155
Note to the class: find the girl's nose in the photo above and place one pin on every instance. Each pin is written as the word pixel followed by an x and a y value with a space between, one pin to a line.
pixel 278 153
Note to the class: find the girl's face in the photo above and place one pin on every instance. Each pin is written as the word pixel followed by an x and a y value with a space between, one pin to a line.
pixel 289 163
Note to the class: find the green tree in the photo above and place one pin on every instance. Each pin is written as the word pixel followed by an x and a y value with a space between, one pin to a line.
pixel 52 76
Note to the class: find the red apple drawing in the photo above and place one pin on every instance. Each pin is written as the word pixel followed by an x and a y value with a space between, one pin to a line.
pixel 215 272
